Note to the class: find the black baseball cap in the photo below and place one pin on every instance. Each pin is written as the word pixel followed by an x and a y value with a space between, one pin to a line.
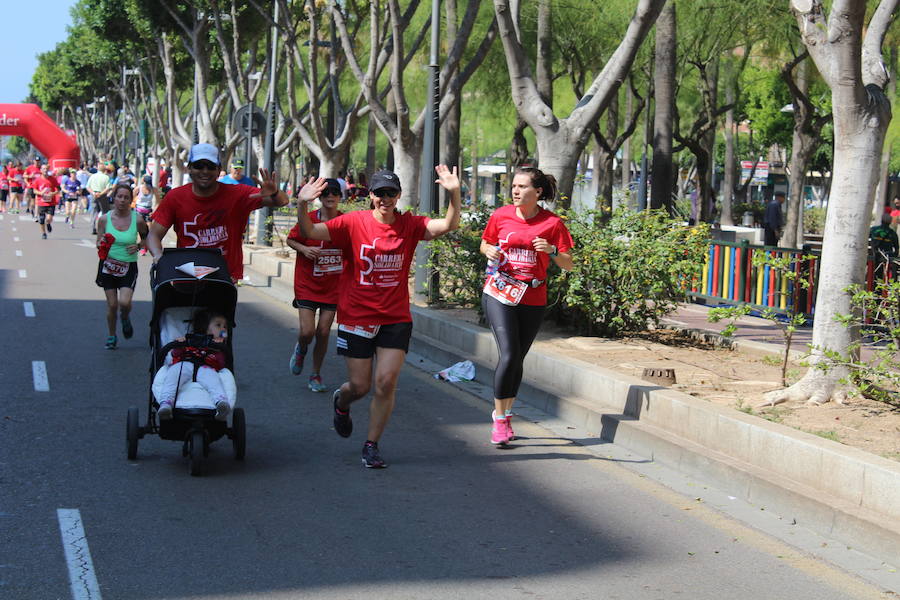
pixel 384 180
pixel 332 185
pixel 237 163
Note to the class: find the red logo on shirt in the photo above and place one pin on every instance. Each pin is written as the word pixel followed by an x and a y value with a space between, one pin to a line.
pixel 207 229
pixel 384 265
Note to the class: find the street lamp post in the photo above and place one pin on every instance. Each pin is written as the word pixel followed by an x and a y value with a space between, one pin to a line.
pixel 264 224
pixel 429 198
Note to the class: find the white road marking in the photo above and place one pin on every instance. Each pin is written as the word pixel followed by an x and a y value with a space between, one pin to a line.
pixel 82 579
pixel 29 309
pixel 23 273
pixel 39 373
pixel 18 253
pixel 25 217
pixel 15 239
pixel 86 244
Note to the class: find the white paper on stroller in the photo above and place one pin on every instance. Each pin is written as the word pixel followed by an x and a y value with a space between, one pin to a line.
pixel 461 371
pixel 198 271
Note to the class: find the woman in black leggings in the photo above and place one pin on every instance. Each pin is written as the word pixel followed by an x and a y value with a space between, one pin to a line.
pixel 519 241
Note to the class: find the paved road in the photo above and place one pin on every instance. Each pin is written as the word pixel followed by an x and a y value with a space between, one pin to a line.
pixel 452 517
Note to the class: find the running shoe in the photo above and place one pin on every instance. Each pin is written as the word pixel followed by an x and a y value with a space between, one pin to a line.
pixel 343 424
pixel 297 359
pixel 371 458
pixel 509 429
pixel 315 383
pixel 222 410
pixel 49 228
pixel 43 236
pixel 67 218
pixel 127 329
pixel 500 432
pixel 165 410
pixel 111 342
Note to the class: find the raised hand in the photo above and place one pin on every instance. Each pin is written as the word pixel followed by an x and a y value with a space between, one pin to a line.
pixel 313 189
pixel 268 185
pixel 449 180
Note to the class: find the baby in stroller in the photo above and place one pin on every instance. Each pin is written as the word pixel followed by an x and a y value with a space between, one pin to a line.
pixel 201 360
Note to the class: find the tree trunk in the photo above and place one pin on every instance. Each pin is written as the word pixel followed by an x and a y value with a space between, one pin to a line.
pixel 707 190
pixel 407 161
pixel 518 150
pixel 801 152
pixel 559 157
pixel 371 164
pixel 664 92
pixel 851 65
pixel 544 63
pixel 726 218
pixel 626 146
pixel 605 167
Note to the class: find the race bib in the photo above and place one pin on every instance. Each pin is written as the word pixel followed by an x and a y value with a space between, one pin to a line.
pixel 366 331
pixel 114 267
pixel 328 262
pixel 504 288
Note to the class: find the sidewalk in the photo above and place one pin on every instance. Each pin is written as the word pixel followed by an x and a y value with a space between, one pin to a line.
pixel 833 489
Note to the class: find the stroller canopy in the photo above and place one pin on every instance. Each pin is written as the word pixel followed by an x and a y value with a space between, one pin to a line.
pixel 192 277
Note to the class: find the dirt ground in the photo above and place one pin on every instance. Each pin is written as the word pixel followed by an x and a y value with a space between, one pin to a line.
pixel 732 379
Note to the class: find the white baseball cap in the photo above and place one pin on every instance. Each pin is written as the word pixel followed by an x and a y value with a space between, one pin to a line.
pixel 204 152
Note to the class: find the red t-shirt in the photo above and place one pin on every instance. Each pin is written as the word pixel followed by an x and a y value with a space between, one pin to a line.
pixel 895 212
pixel 15 176
pixel 43 184
pixel 4 181
pixel 31 173
pixel 521 261
pixel 317 280
pixel 375 283
pixel 217 221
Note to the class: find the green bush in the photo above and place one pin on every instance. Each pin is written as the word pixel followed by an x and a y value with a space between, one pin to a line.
pixel 458 261
pixel 814 220
pixel 627 274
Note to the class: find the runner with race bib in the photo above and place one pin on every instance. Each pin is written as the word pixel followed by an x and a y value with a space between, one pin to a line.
pixel 519 241
pixel 317 272
pixel 374 319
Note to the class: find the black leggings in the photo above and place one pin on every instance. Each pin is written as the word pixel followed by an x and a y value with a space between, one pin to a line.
pixel 515 328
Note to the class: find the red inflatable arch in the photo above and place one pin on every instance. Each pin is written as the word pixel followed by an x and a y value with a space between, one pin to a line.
pixel 30 122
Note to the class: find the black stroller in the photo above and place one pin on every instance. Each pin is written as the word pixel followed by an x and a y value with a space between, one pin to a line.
pixel 184 281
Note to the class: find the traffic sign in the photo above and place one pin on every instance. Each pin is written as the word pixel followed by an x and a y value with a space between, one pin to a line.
pixel 240 119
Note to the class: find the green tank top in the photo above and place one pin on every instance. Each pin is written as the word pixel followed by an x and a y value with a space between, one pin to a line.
pixel 123 239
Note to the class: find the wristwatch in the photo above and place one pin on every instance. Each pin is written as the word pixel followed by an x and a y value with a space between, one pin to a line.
pixel 555 251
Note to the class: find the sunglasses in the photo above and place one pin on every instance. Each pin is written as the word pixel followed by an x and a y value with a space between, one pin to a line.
pixel 386 193
pixel 204 165
pixel 331 192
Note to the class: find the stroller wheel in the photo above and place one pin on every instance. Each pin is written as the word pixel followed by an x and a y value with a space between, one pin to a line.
pixel 196 442
pixel 239 433
pixel 133 432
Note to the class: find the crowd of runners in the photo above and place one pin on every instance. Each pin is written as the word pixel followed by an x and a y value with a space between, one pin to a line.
pixel 350 267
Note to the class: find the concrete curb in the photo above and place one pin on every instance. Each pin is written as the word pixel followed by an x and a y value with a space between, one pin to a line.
pixel 835 490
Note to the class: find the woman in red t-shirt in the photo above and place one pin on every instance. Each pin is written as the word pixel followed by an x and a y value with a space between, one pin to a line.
pixel 519 241
pixel 374 322
pixel 317 272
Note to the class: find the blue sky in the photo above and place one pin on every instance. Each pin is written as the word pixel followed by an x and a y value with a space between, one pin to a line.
pixel 19 46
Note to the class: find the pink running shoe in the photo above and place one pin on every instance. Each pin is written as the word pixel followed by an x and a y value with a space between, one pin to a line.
pixel 500 432
pixel 509 429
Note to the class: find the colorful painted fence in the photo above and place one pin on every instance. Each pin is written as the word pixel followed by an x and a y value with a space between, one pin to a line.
pixel 730 276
